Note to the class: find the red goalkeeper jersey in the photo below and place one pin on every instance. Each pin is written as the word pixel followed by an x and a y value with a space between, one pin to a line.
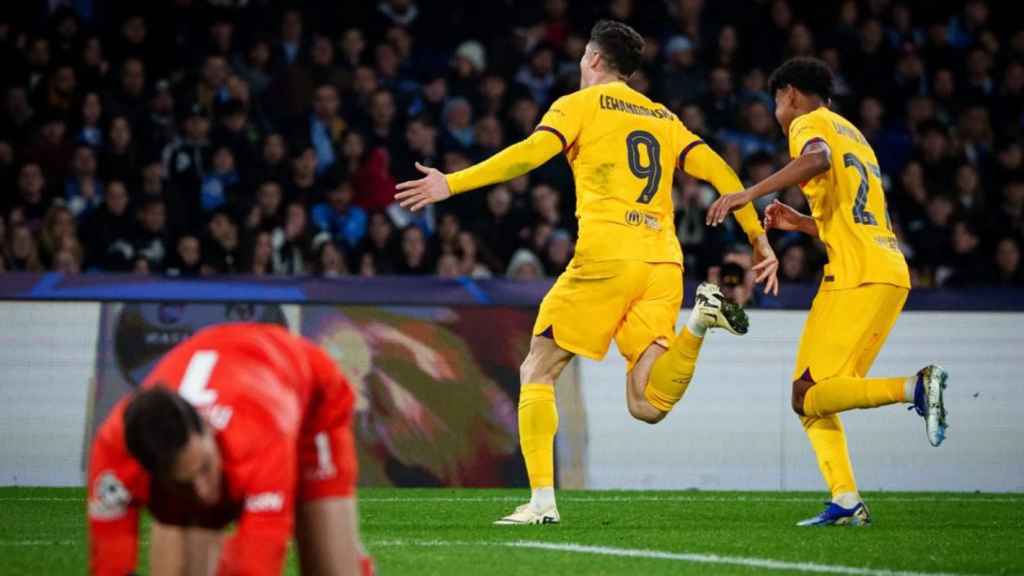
pixel 281 415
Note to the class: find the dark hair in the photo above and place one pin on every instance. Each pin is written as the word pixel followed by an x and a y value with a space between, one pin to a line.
pixel 808 75
pixel 619 44
pixel 157 425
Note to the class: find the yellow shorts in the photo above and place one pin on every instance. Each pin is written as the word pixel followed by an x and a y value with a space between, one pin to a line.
pixel 846 329
pixel 635 302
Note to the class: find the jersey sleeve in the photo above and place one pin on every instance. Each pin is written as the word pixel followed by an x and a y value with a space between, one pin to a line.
pixel 701 162
pixel 265 526
pixel 117 488
pixel 806 130
pixel 565 117
pixel 686 141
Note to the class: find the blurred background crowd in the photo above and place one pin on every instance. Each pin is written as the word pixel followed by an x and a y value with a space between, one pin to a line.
pixel 194 137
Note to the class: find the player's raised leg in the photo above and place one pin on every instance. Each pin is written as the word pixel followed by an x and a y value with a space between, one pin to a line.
pixel 661 376
pixel 841 358
pixel 538 423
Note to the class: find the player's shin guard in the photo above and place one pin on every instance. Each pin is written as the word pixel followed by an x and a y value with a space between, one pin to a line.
pixel 538 422
pixel 842 393
pixel 672 371
pixel 829 443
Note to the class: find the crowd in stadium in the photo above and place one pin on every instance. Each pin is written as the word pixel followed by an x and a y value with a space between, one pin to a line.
pixel 269 139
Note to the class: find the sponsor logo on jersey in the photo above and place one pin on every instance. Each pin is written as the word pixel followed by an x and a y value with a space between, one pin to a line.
pixel 652 222
pixel 265 502
pixel 110 498
pixel 634 218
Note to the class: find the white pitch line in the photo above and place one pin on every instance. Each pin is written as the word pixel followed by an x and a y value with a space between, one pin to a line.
pixel 620 499
pixel 751 562
pixel 745 561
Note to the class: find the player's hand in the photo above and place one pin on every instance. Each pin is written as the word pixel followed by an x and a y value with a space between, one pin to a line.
pixel 781 217
pixel 430 189
pixel 721 208
pixel 766 265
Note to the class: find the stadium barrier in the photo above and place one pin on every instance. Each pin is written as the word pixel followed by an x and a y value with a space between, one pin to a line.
pixel 436 366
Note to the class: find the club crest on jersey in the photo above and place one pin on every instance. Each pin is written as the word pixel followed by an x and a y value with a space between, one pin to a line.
pixel 634 218
pixel 110 497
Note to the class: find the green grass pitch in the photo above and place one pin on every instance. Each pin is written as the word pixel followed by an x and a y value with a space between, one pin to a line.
pixel 441 531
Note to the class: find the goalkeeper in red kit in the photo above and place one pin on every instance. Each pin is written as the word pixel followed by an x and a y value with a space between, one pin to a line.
pixel 241 423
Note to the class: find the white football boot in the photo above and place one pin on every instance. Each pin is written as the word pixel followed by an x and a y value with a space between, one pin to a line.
pixel 527 515
pixel 717 311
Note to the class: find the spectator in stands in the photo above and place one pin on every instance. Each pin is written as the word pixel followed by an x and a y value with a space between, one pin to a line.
pixel 794 267
pixel 52 148
pixel 273 164
pixel 420 147
pixel 291 242
pixel 326 127
pixel 220 184
pixel 89 131
pixel 733 279
pixel 24 252
pixel 414 258
pixel 1008 270
pixel 58 233
pixel 343 222
pixel 446 241
pixel 109 231
pixel 120 157
pixel 32 198
pixel 558 252
pixel 331 261
pixel 224 251
pixel 268 212
pixel 458 125
pixel 188 261
pixel 302 183
pixel 1008 219
pixel 129 97
pixel 683 80
pixel 83 190
pixel 524 265
pixel 260 262
pixel 152 242
pixel 966 265
pixel 382 130
pixel 473 261
pixel 380 244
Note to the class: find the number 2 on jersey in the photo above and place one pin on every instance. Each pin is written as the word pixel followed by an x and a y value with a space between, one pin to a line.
pixel 860 211
pixel 652 171
pixel 197 376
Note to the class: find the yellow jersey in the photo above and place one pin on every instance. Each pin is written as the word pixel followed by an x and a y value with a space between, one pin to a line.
pixel 848 205
pixel 623 149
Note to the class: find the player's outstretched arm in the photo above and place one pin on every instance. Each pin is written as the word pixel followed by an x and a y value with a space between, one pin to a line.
pixel 516 160
pixel 703 163
pixel 814 161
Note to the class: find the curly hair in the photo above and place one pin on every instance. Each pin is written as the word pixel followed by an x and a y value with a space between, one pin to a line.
pixel 808 75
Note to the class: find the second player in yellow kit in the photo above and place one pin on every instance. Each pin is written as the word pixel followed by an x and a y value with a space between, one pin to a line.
pixel 625 279
pixel 863 288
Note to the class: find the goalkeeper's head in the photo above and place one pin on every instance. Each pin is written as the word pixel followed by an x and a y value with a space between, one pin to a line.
pixel 169 438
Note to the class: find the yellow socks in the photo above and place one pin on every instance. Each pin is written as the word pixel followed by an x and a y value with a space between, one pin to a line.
pixel 843 393
pixel 829 443
pixel 672 371
pixel 538 422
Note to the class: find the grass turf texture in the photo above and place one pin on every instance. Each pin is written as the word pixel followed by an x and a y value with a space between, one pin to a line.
pixel 440 531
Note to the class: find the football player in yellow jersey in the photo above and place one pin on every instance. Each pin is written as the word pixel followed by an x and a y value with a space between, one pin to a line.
pixel 864 286
pixel 625 279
